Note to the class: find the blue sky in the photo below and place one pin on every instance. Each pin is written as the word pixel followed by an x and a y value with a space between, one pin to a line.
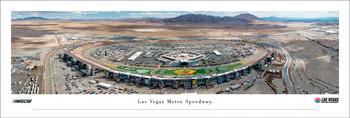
pixel 163 14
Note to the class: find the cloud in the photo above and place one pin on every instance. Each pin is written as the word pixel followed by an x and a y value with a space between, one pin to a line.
pixel 154 14
pixel 300 14
pixel 166 14
pixel 86 12
pixel 218 13
pixel 38 13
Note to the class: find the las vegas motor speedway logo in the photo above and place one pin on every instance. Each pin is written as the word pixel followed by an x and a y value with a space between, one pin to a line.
pixel 326 100
pixel 317 100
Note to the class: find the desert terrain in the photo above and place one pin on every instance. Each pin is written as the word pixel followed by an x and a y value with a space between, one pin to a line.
pixel 314 67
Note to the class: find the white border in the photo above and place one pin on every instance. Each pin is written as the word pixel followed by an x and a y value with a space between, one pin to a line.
pixel 242 101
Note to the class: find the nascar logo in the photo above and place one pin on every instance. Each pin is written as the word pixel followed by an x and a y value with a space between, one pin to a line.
pixel 21 100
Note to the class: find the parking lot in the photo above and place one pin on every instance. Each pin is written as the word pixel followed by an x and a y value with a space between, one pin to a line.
pixel 24 81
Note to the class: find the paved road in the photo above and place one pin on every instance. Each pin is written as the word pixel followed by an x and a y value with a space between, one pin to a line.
pixel 285 73
pixel 49 73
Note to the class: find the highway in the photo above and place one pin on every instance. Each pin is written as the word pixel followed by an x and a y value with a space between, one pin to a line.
pixel 285 73
pixel 49 74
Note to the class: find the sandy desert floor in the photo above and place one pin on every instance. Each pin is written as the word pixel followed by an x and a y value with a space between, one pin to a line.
pixel 29 34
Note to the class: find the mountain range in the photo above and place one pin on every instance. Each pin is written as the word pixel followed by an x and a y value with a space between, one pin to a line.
pixel 33 18
pixel 201 18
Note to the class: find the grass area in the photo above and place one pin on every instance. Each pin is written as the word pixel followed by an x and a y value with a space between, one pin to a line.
pixel 165 72
pixel 222 69
pixel 180 72
pixel 203 71
pixel 134 70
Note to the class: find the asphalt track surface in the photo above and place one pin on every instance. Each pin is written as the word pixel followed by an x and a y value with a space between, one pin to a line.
pixel 49 79
pixel 285 73
pixel 49 84
pixel 81 54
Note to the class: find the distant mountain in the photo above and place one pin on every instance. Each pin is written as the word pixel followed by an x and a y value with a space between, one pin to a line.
pixel 33 18
pixel 247 16
pixel 117 19
pixel 289 19
pixel 200 18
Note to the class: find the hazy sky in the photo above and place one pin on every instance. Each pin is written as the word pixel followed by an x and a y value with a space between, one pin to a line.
pixel 164 14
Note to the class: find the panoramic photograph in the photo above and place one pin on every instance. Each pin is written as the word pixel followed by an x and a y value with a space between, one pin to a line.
pixel 174 52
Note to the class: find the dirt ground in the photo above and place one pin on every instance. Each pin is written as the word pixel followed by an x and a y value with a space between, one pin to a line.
pixel 40 34
pixel 314 69
pixel 45 41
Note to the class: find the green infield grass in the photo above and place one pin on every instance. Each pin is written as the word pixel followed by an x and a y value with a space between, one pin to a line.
pixel 222 69
pixel 179 72
pixel 136 70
